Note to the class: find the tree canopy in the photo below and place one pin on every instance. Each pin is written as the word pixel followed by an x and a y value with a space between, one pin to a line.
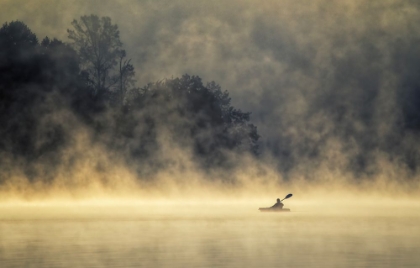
pixel 197 116
pixel 44 84
pixel 98 44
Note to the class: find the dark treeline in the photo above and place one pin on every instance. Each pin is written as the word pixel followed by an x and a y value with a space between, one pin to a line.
pixel 49 89
pixel 61 101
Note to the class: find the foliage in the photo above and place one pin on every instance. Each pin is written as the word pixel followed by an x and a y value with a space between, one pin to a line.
pixel 197 116
pixel 44 85
pixel 98 44
pixel 28 74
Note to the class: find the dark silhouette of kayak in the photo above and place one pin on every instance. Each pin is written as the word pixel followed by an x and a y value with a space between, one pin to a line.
pixel 274 209
pixel 278 207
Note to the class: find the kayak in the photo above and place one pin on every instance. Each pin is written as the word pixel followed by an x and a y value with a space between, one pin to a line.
pixel 274 209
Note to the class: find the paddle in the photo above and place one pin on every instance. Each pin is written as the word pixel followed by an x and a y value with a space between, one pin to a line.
pixel 287 196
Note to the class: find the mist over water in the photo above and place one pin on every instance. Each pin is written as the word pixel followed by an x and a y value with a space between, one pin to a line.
pixel 218 234
pixel 323 102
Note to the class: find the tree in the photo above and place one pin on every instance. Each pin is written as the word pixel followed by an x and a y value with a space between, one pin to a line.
pixel 17 36
pixel 196 116
pixel 36 81
pixel 17 45
pixel 62 60
pixel 98 44
pixel 126 74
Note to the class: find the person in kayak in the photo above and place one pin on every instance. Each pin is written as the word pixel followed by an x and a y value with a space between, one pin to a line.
pixel 278 205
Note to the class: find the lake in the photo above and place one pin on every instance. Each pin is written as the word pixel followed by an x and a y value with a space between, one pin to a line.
pixel 210 234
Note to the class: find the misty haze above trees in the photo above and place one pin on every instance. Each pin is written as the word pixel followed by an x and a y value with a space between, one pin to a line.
pixel 49 89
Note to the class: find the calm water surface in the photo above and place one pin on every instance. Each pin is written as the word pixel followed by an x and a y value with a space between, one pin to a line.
pixel 208 236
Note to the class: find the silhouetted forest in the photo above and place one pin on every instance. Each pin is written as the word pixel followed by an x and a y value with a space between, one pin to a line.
pixel 323 104
pixel 49 89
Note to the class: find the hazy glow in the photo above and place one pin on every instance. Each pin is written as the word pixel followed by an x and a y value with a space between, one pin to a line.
pixel 317 233
pixel 330 84
pixel 286 61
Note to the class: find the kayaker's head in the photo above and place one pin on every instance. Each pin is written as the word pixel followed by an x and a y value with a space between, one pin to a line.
pixel 278 200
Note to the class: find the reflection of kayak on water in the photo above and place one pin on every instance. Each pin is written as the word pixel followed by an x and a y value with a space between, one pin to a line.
pixel 277 207
pixel 274 209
